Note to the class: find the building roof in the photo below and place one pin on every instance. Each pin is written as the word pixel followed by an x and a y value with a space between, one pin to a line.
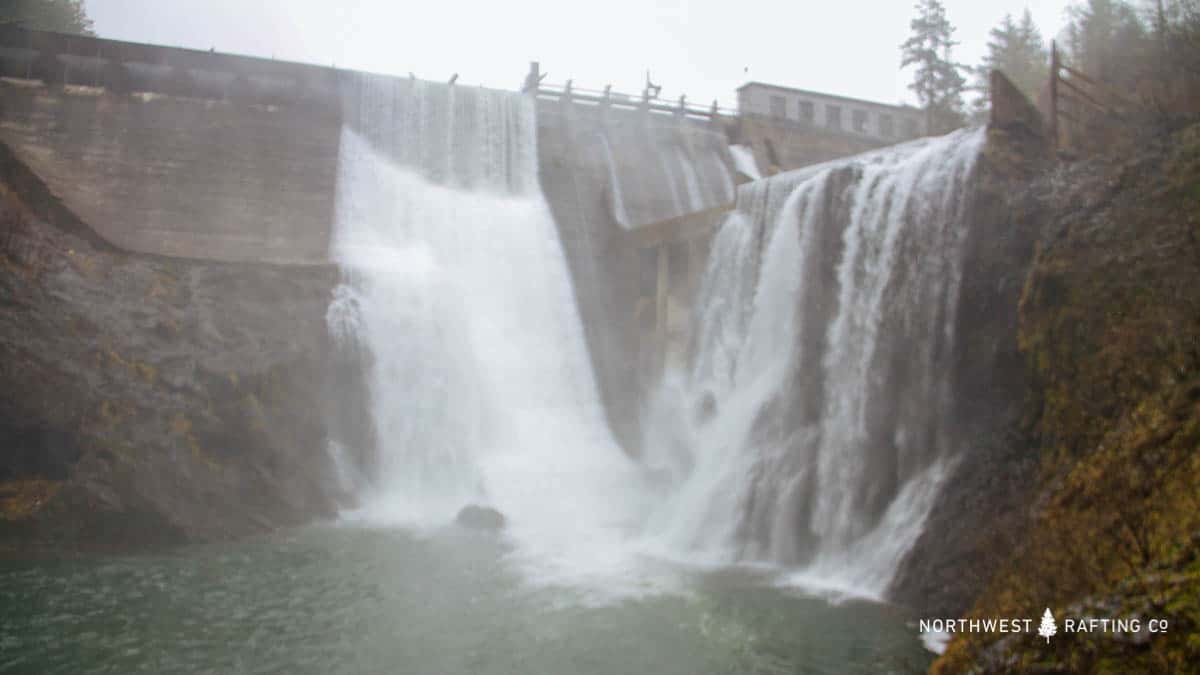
pixel 818 94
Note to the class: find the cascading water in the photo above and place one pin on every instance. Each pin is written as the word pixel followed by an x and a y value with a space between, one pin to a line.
pixel 458 295
pixel 811 430
pixel 660 172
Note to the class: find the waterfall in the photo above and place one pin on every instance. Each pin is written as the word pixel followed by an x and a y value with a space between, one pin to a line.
pixel 811 428
pixel 743 159
pixel 457 293
pixel 658 171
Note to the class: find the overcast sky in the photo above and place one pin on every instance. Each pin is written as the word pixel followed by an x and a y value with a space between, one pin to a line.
pixel 704 49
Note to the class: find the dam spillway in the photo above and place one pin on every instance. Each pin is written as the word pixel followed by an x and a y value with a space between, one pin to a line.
pixel 212 156
pixel 809 431
pixel 410 169
pixel 601 173
pixel 458 295
pixel 812 426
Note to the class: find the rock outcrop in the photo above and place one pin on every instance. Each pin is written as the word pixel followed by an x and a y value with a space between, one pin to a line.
pixel 151 401
pixel 982 510
pixel 478 517
pixel 1109 328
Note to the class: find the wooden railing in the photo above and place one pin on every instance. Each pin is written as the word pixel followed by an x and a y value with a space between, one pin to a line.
pixel 646 101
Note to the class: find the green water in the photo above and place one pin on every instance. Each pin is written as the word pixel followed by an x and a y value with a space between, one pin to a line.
pixel 347 600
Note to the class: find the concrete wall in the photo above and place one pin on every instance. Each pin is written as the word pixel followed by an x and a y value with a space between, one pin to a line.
pixel 181 177
pixel 781 145
pixel 212 156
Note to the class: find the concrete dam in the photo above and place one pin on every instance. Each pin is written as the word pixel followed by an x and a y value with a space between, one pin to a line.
pixel 297 292
pixel 209 156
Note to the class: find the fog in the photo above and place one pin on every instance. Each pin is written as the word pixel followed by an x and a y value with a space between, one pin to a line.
pixel 703 49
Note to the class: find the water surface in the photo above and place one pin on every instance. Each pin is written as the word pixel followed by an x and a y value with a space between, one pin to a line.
pixel 335 599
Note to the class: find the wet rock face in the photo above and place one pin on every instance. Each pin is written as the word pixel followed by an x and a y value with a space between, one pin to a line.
pixel 1109 323
pixel 981 512
pixel 480 518
pixel 148 401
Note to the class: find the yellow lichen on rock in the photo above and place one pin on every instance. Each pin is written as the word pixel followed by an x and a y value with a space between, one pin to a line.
pixel 20 499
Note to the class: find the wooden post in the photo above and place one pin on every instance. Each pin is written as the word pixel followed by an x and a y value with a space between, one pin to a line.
pixel 1054 67
pixel 533 78
pixel 564 101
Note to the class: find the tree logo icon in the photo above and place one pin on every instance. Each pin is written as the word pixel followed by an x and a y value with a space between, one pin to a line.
pixel 1048 627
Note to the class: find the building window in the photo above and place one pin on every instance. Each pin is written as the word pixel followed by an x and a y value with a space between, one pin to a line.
pixel 860 121
pixel 778 106
pixel 833 117
pixel 806 111
pixel 887 128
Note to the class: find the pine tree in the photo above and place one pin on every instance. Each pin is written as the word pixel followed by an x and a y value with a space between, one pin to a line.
pixel 1107 40
pixel 1048 627
pixel 64 16
pixel 937 81
pixel 1176 31
pixel 1017 49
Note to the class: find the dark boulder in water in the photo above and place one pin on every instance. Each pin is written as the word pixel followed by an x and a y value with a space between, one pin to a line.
pixel 480 518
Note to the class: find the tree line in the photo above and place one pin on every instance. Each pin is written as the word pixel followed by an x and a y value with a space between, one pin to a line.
pixel 64 16
pixel 1148 50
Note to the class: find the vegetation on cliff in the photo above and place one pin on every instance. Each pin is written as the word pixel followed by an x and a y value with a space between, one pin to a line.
pixel 1110 326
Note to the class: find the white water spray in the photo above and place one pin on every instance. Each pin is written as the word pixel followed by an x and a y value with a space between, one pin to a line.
pixel 811 429
pixel 457 289
pixel 808 433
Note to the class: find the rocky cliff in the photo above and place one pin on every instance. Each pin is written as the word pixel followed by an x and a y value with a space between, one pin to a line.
pixel 981 509
pixel 1109 332
pixel 151 401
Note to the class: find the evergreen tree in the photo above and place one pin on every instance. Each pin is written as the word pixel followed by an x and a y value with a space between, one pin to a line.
pixel 64 16
pixel 937 81
pixel 1107 41
pixel 1175 28
pixel 1017 49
